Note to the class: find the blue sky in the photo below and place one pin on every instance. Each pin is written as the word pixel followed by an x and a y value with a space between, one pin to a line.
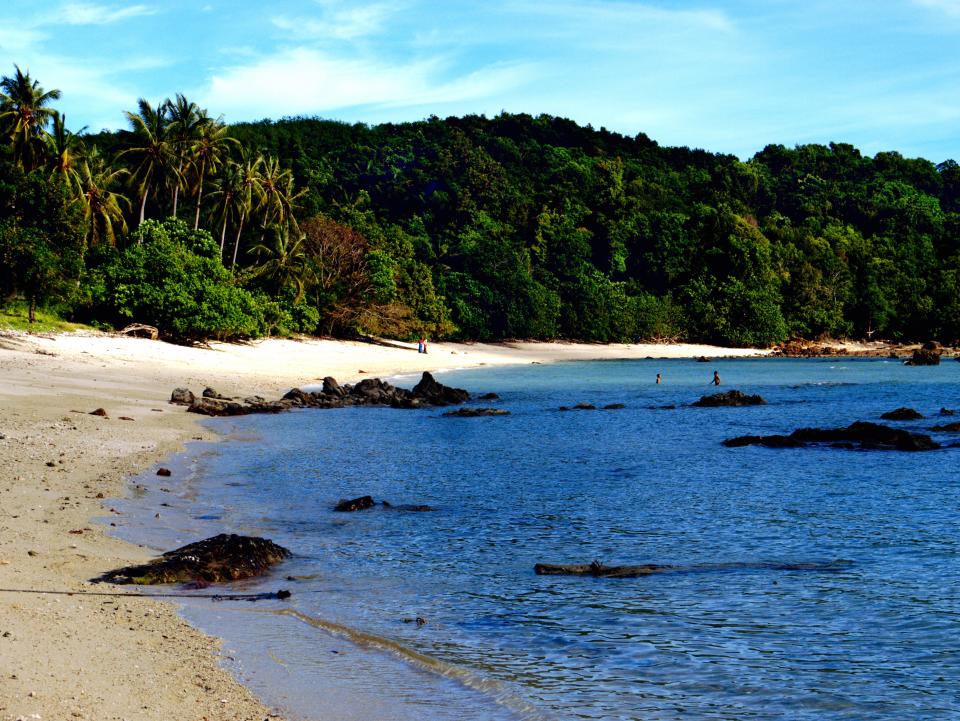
pixel 729 76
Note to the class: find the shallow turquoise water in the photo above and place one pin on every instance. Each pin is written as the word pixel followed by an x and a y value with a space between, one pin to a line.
pixel 879 639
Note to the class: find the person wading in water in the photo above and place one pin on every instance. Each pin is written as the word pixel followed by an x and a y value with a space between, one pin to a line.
pixel 716 378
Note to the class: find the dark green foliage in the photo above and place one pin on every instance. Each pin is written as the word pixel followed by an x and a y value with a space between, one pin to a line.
pixel 172 278
pixel 489 228
pixel 41 239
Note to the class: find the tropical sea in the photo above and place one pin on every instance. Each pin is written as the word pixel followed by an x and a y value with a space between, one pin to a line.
pixel 871 632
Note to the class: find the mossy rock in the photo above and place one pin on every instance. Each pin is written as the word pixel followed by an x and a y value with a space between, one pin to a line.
pixel 227 557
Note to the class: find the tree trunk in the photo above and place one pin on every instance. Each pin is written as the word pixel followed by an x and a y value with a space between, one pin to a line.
pixel 236 245
pixel 32 311
pixel 176 195
pixel 223 235
pixel 143 206
pixel 196 219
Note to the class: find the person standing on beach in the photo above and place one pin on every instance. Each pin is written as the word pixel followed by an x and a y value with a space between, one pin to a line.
pixel 716 378
pixel 420 345
pixel 424 344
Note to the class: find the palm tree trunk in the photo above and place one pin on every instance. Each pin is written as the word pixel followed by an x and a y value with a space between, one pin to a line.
pixel 236 245
pixel 223 235
pixel 196 220
pixel 176 194
pixel 143 205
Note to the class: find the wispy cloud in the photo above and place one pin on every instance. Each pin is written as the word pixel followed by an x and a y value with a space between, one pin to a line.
pixel 305 81
pixel 339 21
pixel 90 14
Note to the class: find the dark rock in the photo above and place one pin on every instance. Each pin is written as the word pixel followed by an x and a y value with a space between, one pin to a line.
pixel 227 557
pixel 859 435
pixel 476 412
pixel 613 406
pixel 729 398
pixel 703 359
pixel 902 414
pixel 585 407
pixel 669 407
pixel 332 388
pixel 163 472
pixel 209 392
pixel 254 400
pixel 927 355
pixel 947 412
pixel 489 397
pixel 601 570
pixel 99 412
pixel 356 504
pixel 563 408
pixel 126 418
pixel 182 397
pixel 435 393
pixel 947 428
pixel 408 507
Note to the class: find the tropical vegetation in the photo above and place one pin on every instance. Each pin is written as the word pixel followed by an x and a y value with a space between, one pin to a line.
pixel 468 228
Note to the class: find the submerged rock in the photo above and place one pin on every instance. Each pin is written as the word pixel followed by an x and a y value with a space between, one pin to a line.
pixel 601 570
pixel 858 435
pixel 227 557
pixel 947 428
pixel 902 414
pixel 356 504
pixel 729 398
pixel 476 412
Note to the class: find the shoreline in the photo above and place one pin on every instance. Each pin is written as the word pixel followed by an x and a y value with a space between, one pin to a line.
pixel 69 654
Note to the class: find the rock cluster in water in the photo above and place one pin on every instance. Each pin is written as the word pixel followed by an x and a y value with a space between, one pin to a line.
pixel 364 503
pixel 859 435
pixel 227 557
pixel 729 398
pixel 368 392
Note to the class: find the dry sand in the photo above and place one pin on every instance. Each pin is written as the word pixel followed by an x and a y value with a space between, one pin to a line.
pixel 78 656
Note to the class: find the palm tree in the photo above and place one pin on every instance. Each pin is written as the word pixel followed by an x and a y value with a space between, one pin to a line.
pixel 249 198
pixel 65 152
pixel 186 120
pixel 102 207
pixel 24 116
pixel 151 149
pixel 279 197
pixel 209 152
pixel 285 261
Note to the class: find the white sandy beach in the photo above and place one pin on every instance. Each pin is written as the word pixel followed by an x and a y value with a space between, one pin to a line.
pixel 98 657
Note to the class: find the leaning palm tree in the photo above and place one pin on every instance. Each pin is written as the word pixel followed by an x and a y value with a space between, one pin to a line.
pixel 102 206
pixel 65 153
pixel 24 116
pixel 151 150
pixel 186 121
pixel 209 151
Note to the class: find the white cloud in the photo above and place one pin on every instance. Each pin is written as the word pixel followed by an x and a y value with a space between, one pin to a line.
pixel 89 14
pixel 304 81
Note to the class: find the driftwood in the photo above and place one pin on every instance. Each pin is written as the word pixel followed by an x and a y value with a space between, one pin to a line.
pixel 600 570
pixel 139 330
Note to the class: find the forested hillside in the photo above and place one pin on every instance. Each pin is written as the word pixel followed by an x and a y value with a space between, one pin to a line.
pixel 472 228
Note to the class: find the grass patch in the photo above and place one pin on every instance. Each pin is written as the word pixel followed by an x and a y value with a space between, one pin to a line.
pixel 14 316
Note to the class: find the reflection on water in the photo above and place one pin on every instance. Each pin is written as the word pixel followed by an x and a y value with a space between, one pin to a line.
pixel 875 638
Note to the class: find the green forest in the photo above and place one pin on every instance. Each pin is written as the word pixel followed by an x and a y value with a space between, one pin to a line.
pixel 469 228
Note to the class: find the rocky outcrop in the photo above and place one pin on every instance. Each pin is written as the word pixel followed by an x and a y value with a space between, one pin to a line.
pixel 368 392
pixel 902 414
pixel 926 355
pixel 947 428
pixel 859 435
pixel 729 399
pixel 227 557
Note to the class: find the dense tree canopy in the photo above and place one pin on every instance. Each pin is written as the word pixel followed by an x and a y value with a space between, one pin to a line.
pixel 490 228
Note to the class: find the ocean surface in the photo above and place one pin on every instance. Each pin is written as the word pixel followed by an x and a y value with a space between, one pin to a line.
pixel 874 635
